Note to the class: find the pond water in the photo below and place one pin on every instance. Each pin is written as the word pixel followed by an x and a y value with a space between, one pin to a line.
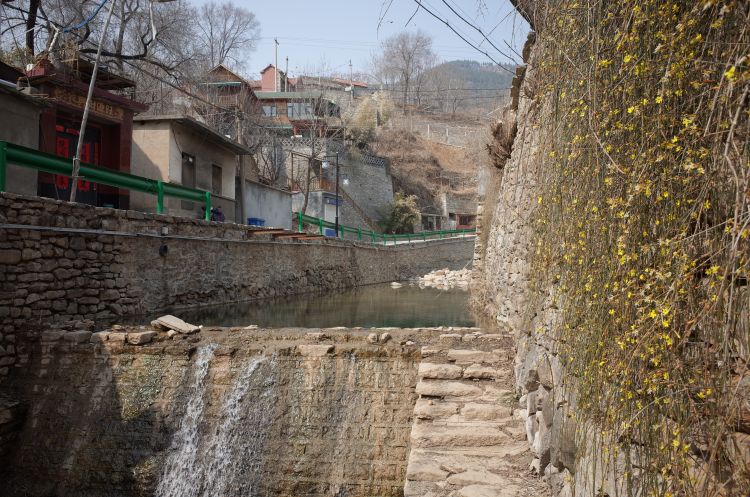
pixel 366 306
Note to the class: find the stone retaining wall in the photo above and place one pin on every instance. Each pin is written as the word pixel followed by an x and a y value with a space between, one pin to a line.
pixel 61 262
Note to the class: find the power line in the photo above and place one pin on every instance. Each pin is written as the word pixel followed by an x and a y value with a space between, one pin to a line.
pixel 479 30
pixel 419 2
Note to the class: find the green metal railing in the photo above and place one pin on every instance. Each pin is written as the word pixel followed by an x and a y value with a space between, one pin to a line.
pixel 33 159
pixel 378 238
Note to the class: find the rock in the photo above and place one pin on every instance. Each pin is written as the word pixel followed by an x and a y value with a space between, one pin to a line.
pixel 447 389
pixel 169 322
pixel 432 436
pixel 472 476
pixel 117 336
pixel 81 336
pixel 450 336
pixel 251 327
pixel 172 333
pixel 439 371
pixel 314 350
pixel 99 337
pixel 484 412
pixel 52 336
pixel 507 490
pixel 140 337
pixel 429 409
pixel 477 371
pixel 372 338
pixel 428 352
pixel 471 356
pixel 424 470
pixel 317 336
pixel 396 284
pixel 385 337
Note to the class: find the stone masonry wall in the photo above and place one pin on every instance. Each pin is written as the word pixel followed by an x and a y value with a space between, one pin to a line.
pixel 501 287
pixel 61 262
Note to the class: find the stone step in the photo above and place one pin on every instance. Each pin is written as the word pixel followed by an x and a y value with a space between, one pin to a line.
pixel 432 436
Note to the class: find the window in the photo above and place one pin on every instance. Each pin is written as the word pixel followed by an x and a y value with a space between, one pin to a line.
pixel 215 179
pixel 188 177
pixel 299 110
pixel 269 110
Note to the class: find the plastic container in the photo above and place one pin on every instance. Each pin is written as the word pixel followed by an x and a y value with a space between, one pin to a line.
pixel 256 221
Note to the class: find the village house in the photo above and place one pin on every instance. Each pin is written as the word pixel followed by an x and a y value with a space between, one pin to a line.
pixel 107 142
pixel 19 125
pixel 180 149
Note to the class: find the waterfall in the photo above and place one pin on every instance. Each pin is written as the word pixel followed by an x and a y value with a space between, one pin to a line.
pixel 180 471
pixel 234 449
pixel 224 457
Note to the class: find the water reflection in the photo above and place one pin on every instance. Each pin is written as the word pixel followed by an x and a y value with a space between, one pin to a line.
pixel 373 305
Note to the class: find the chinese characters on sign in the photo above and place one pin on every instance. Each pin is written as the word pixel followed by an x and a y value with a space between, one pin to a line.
pixel 97 106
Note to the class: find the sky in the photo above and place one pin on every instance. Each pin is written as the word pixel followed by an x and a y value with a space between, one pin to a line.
pixel 326 34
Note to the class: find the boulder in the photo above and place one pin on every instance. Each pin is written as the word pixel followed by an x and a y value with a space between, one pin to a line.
pixel 169 322
pixel 140 337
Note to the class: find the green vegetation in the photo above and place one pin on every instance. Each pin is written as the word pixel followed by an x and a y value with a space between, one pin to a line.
pixel 643 230
pixel 402 215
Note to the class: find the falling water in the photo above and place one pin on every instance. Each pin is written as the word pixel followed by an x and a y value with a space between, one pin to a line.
pixel 180 470
pixel 243 422
pixel 220 457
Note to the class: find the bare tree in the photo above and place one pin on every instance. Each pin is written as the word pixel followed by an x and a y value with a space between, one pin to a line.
pixel 225 32
pixel 404 58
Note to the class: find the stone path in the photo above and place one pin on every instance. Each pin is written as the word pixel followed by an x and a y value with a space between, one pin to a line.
pixel 465 439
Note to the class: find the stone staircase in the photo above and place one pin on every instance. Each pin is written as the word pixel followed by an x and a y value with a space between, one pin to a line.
pixel 465 439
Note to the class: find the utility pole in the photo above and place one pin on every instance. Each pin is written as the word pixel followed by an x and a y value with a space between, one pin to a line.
pixel 87 107
pixel 276 65
pixel 286 75
pixel 242 159
pixel 351 82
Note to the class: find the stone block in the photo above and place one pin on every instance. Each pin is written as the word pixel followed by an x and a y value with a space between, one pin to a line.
pixel 314 350
pixel 472 477
pixel 52 336
pixel 81 336
pixel 169 322
pixel 484 412
pixel 457 436
pixel 506 490
pixel 430 409
pixel 117 336
pixel 425 470
pixel 471 356
pixel 99 337
pixel 436 388
pixel 140 337
pixel 440 371
pixel 10 257
pixel 479 372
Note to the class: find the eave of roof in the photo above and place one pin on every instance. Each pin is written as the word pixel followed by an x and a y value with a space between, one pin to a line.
pixel 195 125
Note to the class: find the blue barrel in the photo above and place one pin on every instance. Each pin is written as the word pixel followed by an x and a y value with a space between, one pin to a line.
pixel 256 221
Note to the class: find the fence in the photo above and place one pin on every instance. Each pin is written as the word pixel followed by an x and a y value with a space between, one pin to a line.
pixel 379 238
pixel 33 159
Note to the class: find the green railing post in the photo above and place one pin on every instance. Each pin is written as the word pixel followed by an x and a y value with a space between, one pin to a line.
pixel 385 240
pixel 424 236
pixel 372 237
pixel 408 237
pixel 320 225
pixel 341 228
pixel 208 206
pixel 359 234
pixel 3 164
pixel 299 221
pixel 159 197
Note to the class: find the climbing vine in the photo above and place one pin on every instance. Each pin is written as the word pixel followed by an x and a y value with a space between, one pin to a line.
pixel 643 230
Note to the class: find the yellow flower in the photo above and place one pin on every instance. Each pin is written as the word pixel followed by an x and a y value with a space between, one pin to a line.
pixel 659 99
pixel 627 58
pixel 730 73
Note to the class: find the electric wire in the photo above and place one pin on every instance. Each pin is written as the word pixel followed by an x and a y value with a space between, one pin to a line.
pixel 444 21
